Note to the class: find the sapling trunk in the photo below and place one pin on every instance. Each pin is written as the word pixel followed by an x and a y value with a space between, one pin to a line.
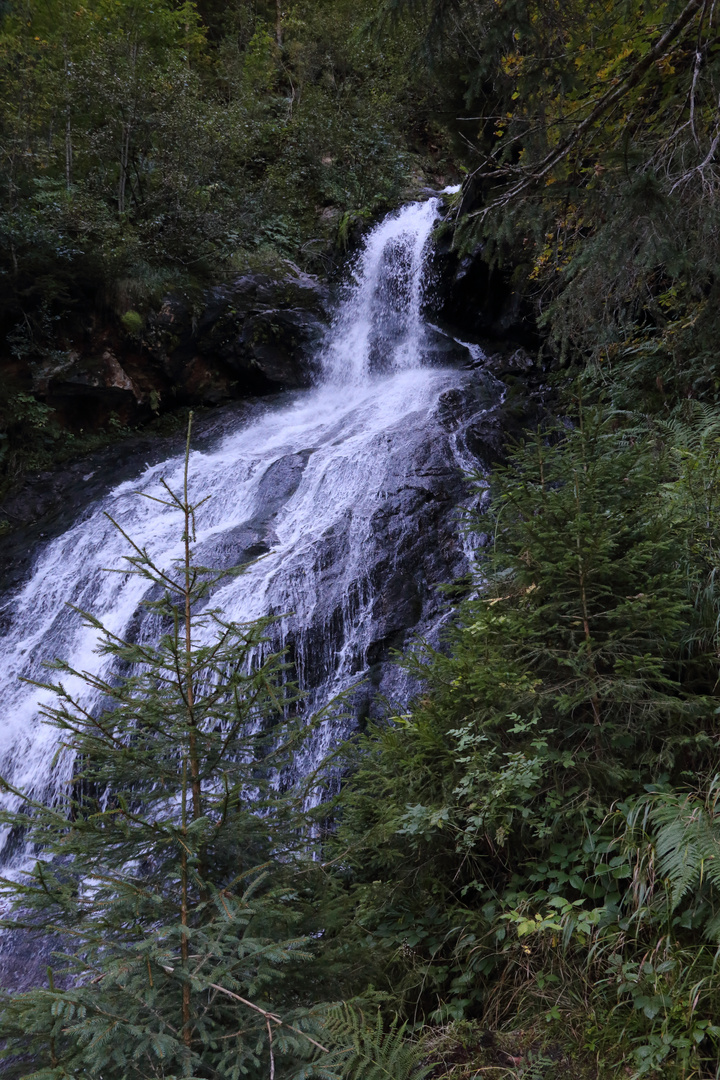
pixel 189 689
pixel 171 869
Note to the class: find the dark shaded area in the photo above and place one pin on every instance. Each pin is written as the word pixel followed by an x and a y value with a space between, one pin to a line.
pixel 482 299
pixel 251 336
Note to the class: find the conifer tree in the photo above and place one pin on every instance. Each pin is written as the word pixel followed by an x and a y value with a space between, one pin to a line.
pixel 577 678
pixel 169 874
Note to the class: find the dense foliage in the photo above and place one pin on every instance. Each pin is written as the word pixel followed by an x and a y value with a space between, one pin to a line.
pixel 532 847
pixel 148 145
pixel 534 844
pixel 591 139
pixel 536 840
pixel 152 149
pixel 174 877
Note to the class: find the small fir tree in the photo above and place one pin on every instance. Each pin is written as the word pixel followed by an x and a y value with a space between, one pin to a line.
pixel 171 872
pixel 494 866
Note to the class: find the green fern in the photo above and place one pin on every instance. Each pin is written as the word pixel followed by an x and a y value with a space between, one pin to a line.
pixel 687 845
pixel 693 428
pixel 369 1052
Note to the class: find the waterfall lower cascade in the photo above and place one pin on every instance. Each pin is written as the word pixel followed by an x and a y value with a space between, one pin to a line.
pixel 347 490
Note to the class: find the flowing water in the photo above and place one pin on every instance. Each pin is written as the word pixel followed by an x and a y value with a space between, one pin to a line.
pixel 347 491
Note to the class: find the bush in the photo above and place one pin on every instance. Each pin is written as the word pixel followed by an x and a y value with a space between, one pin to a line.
pixel 507 862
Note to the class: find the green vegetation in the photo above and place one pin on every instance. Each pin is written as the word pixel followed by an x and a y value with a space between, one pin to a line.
pixel 532 847
pixel 151 149
pixel 175 875
pixel 591 148
pixel 535 843
pixel 523 868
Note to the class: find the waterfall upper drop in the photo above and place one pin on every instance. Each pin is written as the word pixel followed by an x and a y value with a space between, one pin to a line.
pixel 342 497
pixel 379 326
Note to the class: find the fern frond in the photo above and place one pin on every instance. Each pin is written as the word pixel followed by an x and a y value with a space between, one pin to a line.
pixel 364 1052
pixel 687 844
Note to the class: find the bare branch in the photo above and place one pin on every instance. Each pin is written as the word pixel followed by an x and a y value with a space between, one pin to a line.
pixel 268 1015
pixel 604 105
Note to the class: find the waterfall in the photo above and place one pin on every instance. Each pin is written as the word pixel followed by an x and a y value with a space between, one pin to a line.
pixel 347 491
pixel 379 327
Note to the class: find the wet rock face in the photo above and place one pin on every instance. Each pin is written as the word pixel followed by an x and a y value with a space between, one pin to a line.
pixel 412 547
pixel 480 299
pixel 252 336
pixel 409 545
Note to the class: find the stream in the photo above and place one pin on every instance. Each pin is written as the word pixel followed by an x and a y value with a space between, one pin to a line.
pixel 344 498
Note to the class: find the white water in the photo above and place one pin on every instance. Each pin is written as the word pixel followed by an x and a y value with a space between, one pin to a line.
pixel 307 479
pixel 379 327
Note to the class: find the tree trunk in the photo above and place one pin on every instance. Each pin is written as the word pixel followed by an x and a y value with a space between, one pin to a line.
pixel 124 159
pixel 68 152
pixel 68 127
pixel 126 130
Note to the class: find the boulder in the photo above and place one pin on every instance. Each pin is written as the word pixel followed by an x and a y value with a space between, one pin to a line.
pixel 481 298
pixel 85 390
pixel 254 335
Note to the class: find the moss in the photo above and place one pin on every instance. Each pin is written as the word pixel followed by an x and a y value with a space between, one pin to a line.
pixel 133 323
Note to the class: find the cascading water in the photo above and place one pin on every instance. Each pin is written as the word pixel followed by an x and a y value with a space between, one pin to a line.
pixel 380 325
pixel 346 490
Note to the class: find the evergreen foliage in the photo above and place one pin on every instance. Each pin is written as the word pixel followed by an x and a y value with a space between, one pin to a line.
pixel 147 148
pixel 175 874
pixel 505 859
pixel 534 843
pixel 589 136
pixel 150 150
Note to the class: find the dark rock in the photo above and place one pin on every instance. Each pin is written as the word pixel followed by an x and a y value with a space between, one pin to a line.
pixel 280 344
pixel 198 381
pixel 254 538
pixel 516 363
pixel 47 502
pixel 25 958
pixel 481 299
pixel 252 336
pixel 85 390
pixel 245 338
